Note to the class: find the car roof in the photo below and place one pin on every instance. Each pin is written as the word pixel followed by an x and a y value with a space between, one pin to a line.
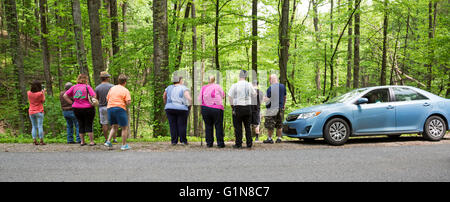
pixel 426 93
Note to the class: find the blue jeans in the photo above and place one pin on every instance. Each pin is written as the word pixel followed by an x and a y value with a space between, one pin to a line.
pixel 71 122
pixel 37 121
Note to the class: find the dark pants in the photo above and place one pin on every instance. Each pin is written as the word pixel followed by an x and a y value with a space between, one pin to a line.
pixel 213 118
pixel 85 118
pixel 242 115
pixel 178 124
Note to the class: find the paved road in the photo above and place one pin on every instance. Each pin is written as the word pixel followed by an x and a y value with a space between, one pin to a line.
pixel 376 163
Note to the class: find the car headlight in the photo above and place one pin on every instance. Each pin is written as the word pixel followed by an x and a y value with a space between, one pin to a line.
pixel 308 115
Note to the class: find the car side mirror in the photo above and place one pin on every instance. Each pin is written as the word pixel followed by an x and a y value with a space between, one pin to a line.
pixel 362 100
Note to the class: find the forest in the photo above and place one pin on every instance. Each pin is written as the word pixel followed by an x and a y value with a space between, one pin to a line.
pixel 319 49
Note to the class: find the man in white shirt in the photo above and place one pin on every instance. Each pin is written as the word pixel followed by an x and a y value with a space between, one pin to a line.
pixel 240 96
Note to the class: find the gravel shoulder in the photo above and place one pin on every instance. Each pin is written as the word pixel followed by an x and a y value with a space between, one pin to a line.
pixel 288 144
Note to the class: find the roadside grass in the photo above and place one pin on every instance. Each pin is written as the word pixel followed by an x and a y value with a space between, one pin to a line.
pixel 62 139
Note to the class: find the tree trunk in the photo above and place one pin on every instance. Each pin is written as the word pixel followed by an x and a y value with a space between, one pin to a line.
pixel 44 46
pixel 403 67
pixel 160 64
pixel 59 50
pixel 316 33
pixel 194 71
pixel 124 14
pixel 356 48
pixel 255 35
pixel 96 40
pixel 431 28
pixel 384 57
pixel 181 43
pixel 17 59
pixel 284 41
pixel 216 37
pixel 331 47
pixel 114 27
pixel 78 31
pixel 349 47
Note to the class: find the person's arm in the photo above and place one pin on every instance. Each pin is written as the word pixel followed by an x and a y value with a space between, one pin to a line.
pixel 67 99
pixel 92 92
pixel 165 97
pixel 187 95
pixel 43 96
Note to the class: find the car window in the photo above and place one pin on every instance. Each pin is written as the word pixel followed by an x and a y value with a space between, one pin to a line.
pixel 406 94
pixel 377 96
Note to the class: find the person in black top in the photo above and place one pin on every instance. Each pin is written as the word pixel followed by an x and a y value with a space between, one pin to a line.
pixel 256 109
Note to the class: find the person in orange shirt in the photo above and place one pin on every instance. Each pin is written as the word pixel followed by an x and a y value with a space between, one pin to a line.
pixel 118 99
pixel 36 98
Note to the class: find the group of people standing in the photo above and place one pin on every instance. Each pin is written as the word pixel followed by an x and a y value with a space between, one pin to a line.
pixel 245 99
pixel 78 104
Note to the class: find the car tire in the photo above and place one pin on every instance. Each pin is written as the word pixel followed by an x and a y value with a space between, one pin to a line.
pixel 434 129
pixel 336 132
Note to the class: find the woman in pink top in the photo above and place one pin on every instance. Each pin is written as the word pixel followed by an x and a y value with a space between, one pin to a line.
pixel 211 97
pixel 83 110
pixel 36 98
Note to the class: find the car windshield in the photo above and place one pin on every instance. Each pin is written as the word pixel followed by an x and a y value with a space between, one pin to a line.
pixel 346 97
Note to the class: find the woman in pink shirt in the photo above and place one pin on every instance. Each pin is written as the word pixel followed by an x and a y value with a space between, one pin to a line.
pixel 211 97
pixel 36 98
pixel 82 108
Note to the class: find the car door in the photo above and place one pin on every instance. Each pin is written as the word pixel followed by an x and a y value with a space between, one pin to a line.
pixel 376 116
pixel 411 109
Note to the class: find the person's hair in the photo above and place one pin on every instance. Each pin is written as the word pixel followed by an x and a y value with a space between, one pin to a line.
pixel 243 74
pixel 82 78
pixel 179 80
pixel 36 86
pixel 104 78
pixel 68 85
pixel 212 79
pixel 122 79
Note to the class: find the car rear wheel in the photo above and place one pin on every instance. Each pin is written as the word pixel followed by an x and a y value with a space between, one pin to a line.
pixel 336 132
pixel 434 128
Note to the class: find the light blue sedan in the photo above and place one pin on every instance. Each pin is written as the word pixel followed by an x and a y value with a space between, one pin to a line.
pixel 381 110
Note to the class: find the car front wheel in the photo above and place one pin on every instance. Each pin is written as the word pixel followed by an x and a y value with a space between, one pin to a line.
pixel 336 132
pixel 434 129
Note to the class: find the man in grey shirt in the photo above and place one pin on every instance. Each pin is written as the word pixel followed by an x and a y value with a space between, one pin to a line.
pixel 102 91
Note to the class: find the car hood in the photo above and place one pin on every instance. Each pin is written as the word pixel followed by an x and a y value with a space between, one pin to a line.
pixel 316 108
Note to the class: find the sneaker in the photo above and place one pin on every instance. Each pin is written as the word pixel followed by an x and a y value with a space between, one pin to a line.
pixel 278 140
pixel 125 147
pixel 268 141
pixel 108 144
pixel 115 141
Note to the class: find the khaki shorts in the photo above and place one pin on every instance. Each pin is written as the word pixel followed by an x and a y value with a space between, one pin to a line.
pixel 275 121
pixel 103 111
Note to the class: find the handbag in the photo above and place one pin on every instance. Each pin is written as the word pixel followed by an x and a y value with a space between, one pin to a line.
pixel 92 100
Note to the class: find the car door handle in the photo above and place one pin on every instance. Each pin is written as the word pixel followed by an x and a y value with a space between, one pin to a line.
pixel 426 104
pixel 390 107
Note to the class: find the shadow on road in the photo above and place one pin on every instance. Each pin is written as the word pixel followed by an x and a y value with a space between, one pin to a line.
pixel 368 140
